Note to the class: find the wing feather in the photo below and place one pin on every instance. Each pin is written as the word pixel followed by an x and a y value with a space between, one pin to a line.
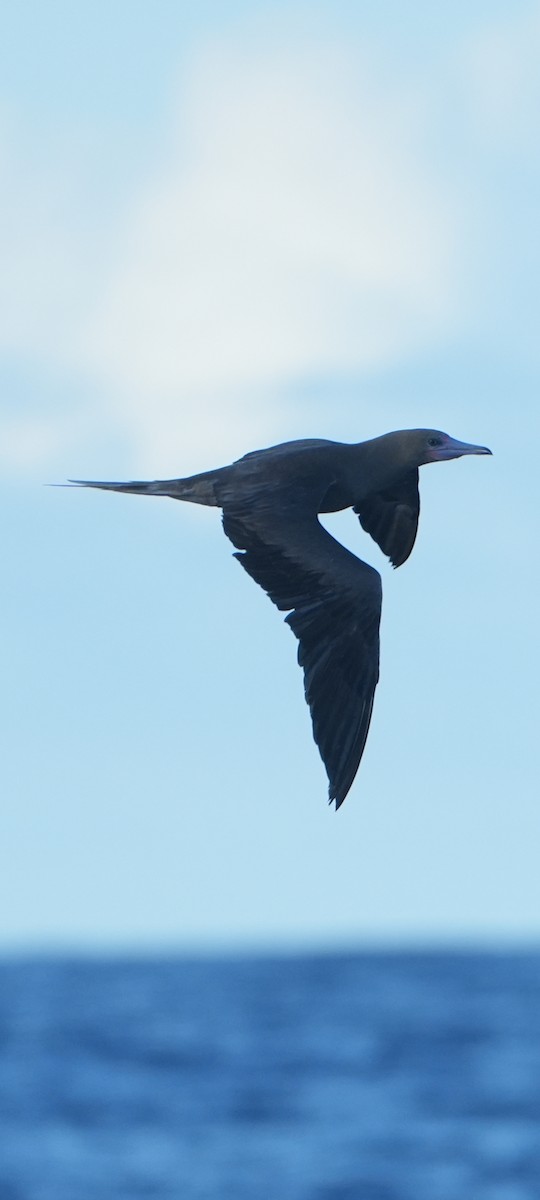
pixel 334 605
pixel 391 517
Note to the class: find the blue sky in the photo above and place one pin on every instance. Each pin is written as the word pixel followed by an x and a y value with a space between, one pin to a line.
pixel 223 226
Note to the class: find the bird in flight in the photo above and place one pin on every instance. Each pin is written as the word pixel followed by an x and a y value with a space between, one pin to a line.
pixel 271 500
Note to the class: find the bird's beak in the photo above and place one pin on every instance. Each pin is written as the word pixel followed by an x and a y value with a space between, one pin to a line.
pixel 454 449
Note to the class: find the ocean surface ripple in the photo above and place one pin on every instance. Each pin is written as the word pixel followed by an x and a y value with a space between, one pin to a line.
pixel 372 1076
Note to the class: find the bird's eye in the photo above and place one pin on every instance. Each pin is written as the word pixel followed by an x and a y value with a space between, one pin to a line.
pixel 434 442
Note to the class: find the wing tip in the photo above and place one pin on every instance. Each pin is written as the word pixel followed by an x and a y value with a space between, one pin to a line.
pixel 336 796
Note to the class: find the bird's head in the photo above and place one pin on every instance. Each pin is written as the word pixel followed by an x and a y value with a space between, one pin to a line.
pixel 431 445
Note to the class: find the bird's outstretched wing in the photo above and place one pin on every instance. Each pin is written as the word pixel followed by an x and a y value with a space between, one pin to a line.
pixel 391 517
pixel 334 603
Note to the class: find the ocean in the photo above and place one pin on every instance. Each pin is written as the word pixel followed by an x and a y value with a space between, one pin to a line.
pixel 369 1076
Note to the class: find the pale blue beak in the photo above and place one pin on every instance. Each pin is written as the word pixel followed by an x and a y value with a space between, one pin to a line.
pixel 452 448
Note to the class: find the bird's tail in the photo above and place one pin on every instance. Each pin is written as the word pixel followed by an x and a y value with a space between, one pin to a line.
pixel 199 489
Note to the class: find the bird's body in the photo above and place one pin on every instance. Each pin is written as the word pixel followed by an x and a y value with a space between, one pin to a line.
pixel 271 500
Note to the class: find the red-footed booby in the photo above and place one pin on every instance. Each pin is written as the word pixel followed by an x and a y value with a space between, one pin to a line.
pixel 271 500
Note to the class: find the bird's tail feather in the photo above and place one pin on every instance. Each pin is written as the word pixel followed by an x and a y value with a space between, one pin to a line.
pixel 199 489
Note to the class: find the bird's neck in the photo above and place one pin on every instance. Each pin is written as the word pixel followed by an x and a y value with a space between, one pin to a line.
pixel 377 464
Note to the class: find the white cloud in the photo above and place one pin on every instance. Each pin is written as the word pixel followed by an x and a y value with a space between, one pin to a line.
pixel 300 232
pixel 294 226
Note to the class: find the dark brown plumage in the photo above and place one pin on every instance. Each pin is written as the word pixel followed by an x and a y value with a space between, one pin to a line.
pixel 270 501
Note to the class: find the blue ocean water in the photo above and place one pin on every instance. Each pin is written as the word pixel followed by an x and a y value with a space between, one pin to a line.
pixel 359 1077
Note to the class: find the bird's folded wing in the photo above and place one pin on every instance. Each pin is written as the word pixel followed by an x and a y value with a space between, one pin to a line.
pixel 391 517
pixel 334 604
